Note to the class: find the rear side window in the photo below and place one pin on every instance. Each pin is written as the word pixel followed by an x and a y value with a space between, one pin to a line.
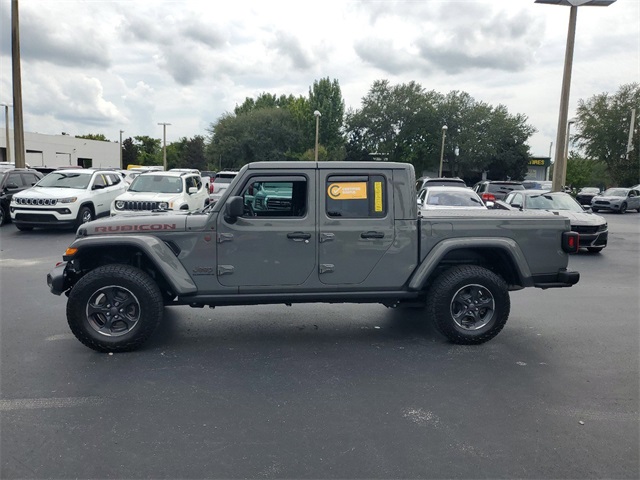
pixel 357 196
pixel 501 187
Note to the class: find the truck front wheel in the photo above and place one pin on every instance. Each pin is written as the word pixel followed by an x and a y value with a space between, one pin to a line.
pixel 469 304
pixel 114 308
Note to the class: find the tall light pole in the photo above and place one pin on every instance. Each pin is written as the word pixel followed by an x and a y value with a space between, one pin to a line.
pixel 559 166
pixel 164 143
pixel 121 165
pixel 18 127
pixel 6 126
pixel 444 134
pixel 317 115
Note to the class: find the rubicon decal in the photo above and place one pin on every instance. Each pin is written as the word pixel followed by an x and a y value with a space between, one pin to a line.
pixel 149 227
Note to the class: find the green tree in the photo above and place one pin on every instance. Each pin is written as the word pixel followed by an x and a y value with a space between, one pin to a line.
pixel 129 153
pixel 267 134
pixel 94 136
pixel 325 96
pixel 584 172
pixel 603 130
pixel 149 150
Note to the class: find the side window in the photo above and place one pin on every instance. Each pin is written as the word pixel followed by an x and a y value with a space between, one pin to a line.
pixel 198 182
pixel 357 196
pixel 29 179
pixel 516 199
pixel 114 179
pixel 190 183
pixel 275 197
pixel 99 180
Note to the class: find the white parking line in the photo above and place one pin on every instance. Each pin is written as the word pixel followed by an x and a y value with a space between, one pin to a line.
pixel 39 403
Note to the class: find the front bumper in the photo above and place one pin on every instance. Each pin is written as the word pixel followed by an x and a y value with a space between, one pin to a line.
pixel 56 279
pixel 43 217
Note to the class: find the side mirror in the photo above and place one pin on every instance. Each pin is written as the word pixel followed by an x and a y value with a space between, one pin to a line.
pixel 490 204
pixel 234 208
pixel 12 186
pixel 192 190
pixel 97 187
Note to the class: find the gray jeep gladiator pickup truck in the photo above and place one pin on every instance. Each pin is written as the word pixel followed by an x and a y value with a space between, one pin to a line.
pixel 350 232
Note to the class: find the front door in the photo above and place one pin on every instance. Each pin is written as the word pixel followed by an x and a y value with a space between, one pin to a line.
pixel 275 244
pixel 356 224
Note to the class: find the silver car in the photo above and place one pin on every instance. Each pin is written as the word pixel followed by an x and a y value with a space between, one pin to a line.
pixel 617 200
pixel 593 229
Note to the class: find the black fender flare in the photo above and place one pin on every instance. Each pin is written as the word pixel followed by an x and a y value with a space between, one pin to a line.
pixel 438 252
pixel 155 249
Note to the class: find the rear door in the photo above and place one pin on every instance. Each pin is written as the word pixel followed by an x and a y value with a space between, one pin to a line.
pixel 356 224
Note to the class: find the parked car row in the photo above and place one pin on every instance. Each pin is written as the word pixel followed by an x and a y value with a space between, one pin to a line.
pixel 70 197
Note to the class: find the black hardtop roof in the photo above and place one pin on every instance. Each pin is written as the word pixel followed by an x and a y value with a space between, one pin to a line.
pixel 367 165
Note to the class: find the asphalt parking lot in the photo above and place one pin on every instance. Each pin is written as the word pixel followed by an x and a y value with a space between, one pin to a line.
pixel 326 391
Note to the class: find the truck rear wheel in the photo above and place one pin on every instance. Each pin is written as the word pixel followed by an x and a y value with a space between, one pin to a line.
pixel 469 304
pixel 114 308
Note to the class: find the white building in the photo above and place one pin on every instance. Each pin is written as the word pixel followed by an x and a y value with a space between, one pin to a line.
pixel 62 150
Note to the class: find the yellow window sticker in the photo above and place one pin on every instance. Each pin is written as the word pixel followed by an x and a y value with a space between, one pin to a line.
pixel 348 191
pixel 377 196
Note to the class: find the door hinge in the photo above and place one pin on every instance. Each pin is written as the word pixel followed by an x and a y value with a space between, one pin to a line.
pixel 327 237
pixel 326 267
pixel 225 237
pixel 225 269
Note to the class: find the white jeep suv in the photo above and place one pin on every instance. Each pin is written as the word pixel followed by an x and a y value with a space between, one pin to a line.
pixel 66 198
pixel 172 190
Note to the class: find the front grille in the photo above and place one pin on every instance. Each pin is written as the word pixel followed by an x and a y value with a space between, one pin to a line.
pixel 41 217
pixel 585 229
pixel 140 205
pixel 601 202
pixel 278 204
pixel 36 201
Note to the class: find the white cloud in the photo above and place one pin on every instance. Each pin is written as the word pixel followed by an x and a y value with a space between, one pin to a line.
pixel 98 67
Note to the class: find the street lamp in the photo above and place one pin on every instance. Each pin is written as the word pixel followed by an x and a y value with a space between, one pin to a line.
pixel 121 164
pixel 317 115
pixel 444 134
pixel 164 144
pixel 6 126
pixel 560 167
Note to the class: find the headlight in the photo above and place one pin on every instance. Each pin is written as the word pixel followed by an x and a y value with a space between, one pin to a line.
pixel 120 204
pixel 67 200
pixel 163 206
pixel 602 228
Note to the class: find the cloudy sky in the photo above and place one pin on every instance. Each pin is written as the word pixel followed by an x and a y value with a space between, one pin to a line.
pixel 102 66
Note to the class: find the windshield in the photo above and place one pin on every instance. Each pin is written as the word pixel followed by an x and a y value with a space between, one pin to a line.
pixel 1 176
pixel 616 192
pixel 156 184
pixel 66 180
pixel 223 179
pixel 550 201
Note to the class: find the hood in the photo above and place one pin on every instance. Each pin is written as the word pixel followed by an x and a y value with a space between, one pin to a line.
pixel 579 218
pixel 49 192
pixel 609 198
pixel 136 223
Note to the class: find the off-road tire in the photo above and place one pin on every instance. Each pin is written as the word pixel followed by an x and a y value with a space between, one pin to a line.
pixel 464 294
pixel 114 308
pixel 85 214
